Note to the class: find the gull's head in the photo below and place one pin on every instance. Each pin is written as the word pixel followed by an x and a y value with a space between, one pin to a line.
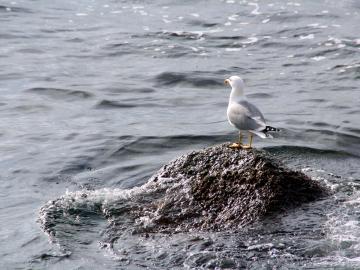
pixel 235 82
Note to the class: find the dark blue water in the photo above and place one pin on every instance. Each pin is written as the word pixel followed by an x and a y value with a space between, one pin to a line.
pixel 97 95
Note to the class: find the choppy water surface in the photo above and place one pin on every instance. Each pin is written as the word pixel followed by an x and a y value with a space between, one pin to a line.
pixel 97 95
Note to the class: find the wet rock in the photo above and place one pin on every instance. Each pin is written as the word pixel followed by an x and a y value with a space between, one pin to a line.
pixel 217 188
pixel 220 188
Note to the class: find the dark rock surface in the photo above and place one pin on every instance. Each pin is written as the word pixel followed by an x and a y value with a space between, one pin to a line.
pixel 219 188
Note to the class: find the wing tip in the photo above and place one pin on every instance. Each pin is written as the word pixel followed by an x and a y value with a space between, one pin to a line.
pixel 270 128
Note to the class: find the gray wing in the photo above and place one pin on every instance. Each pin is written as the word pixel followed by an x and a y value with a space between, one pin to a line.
pixel 246 116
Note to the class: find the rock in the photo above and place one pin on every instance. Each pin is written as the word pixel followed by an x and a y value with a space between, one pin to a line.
pixel 220 188
pixel 217 188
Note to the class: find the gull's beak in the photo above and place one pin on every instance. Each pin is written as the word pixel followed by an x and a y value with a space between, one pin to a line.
pixel 227 82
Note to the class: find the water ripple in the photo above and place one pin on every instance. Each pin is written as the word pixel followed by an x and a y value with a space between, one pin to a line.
pixel 59 93
pixel 194 80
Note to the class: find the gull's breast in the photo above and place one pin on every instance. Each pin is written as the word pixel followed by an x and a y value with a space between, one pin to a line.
pixel 236 116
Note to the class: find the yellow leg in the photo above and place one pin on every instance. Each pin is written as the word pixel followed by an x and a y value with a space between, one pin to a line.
pixel 248 146
pixel 240 138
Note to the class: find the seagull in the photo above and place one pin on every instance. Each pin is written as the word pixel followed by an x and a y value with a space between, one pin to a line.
pixel 244 115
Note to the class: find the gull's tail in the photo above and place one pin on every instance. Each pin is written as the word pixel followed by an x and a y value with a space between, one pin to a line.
pixel 264 133
pixel 269 128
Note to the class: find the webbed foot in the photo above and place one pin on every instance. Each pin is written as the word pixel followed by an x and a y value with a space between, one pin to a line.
pixel 246 146
pixel 235 146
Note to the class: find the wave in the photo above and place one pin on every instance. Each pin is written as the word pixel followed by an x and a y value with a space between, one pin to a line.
pixel 306 151
pixel 59 93
pixel 109 104
pixel 196 79
pixel 14 9
pixel 202 23
pixel 129 90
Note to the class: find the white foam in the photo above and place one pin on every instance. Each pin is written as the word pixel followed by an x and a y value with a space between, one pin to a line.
pixel 233 17
pixel 310 36
pixel 250 40
pixel 293 4
pixel 343 228
pixel 335 40
pixel 255 11
pixel 261 246
pixel 138 7
pixel 233 49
